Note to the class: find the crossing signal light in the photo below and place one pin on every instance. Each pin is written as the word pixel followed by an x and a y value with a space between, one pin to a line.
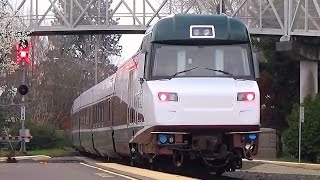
pixel 23 89
pixel 23 52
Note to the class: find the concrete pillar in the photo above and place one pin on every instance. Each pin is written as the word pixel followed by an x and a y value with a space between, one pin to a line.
pixel 308 57
pixel 308 79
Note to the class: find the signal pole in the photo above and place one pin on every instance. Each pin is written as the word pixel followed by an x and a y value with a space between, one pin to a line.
pixel 23 109
pixel 23 58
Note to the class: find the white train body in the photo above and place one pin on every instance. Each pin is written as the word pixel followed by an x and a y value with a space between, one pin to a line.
pixel 202 101
pixel 192 104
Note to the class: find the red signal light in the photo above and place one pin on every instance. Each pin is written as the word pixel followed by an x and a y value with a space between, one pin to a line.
pixel 23 52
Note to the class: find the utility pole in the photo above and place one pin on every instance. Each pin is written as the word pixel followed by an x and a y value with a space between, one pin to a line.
pixel 96 62
pixel 96 48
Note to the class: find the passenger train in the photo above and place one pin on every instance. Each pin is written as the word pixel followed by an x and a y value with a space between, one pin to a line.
pixel 189 93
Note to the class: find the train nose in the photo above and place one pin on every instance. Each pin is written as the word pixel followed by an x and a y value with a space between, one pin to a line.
pixel 208 102
pixel 207 98
pixel 204 101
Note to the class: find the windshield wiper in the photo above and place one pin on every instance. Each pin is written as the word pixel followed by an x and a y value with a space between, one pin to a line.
pixel 218 70
pixel 182 72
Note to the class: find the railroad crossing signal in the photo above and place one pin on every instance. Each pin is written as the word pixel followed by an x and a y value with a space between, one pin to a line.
pixel 23 52
pixel 23 89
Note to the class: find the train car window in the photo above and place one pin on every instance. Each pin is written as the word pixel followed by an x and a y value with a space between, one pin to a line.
pixel 98 115
pixel 233 65
pixel 169 59
pixel 76 121
pixel 84 118
pixel 101 114
pixel 103 104
pixel 145 44
pixel 87 118
pixel 109 112
pixel 94 116
pixel 91 117
pixel 105 120
pixel 81 119
pixel 71 123
pixel 148 57
pixel 165 63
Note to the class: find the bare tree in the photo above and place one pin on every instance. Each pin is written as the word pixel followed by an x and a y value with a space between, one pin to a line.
pixel 65 67
pixel 11 31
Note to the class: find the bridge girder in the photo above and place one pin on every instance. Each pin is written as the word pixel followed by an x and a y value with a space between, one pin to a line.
pixel 263 17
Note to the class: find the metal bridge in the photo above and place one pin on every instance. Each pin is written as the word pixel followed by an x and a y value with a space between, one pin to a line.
pixel 263 17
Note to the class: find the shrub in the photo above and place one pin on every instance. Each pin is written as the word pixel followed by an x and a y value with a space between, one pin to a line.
pixel 310 136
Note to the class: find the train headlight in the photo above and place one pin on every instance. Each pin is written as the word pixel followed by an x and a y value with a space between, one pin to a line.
pixel 248 146
pixel 171 139
pixel 168 96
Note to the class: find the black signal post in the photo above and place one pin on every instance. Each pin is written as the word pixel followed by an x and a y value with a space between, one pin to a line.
pixel 23 59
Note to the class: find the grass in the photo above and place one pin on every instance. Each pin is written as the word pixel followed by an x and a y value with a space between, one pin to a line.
pixel 54 152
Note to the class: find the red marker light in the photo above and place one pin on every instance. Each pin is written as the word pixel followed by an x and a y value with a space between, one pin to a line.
pixel 250 96
pixel 246 96
pixel 168 96
pixel 163 96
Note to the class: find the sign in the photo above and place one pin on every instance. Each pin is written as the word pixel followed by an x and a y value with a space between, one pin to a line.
pixel 301 114
pixel 23 113
pixel 25 135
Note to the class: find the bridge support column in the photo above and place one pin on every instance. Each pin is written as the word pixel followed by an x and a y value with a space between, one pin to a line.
pixel 309 57
pixel 308 79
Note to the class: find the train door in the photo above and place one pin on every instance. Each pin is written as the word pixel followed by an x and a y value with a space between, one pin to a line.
pixel 111 148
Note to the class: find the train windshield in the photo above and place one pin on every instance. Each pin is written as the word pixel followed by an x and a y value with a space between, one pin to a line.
pixel 207 61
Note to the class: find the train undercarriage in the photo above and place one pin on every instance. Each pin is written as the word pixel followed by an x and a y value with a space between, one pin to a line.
pixel 218 153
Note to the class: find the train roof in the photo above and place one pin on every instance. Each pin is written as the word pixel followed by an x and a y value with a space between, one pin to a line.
pixel 94 95
pixel 177 27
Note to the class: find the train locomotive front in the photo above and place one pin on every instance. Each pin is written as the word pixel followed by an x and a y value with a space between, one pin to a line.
pixel 200 100
pixel 188 94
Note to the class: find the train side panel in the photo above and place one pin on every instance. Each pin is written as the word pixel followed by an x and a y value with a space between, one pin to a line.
pixel 128 114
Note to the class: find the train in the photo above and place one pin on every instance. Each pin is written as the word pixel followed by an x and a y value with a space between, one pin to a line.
pixel 189 93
